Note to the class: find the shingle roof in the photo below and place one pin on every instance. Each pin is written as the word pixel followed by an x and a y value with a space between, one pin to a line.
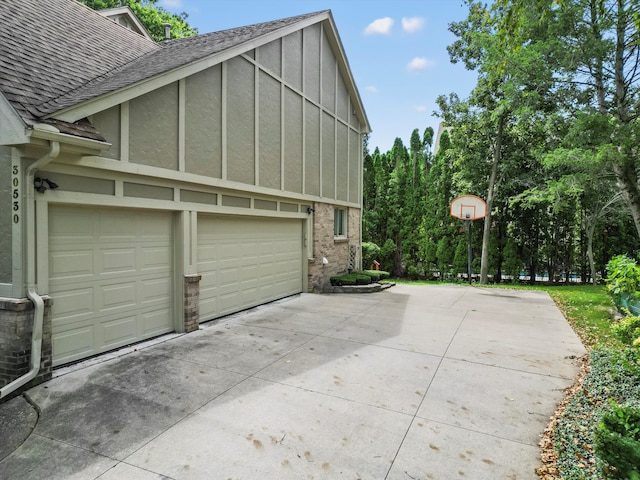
pixel 51 47
pixel 55 54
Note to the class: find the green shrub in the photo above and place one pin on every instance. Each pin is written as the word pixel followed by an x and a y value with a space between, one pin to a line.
pixel 617 442
pixel 376 275
pixel 628 330
pixel 387 255
pixel 623 281
pixel 370 252
pixel 613 374
pixel 353 278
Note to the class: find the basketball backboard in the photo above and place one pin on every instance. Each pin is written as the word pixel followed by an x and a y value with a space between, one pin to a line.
pixel 468 207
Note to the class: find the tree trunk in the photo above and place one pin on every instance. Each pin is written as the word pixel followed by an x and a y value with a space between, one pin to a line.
pixel 592 264
pixel 628 182
pixel 486 234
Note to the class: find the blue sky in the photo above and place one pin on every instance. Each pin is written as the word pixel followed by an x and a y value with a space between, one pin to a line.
pixel 396 50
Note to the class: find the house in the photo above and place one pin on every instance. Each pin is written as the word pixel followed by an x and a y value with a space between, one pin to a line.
pixel 125 17
pixel 148 186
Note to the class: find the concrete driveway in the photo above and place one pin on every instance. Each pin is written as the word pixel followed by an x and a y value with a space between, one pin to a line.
pixel 416 382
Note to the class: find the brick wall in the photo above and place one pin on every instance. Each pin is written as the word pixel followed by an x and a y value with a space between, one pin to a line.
pixel 336 251
pixel 191 302
pixel 16 326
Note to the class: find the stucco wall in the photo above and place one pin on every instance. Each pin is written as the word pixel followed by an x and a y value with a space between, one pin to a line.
pixel 107 122
pixel 153 128
pixel 325 245
pixel 241 121
pixel 203 122
pixel 278 117
pixel 270 128
pixel 6 214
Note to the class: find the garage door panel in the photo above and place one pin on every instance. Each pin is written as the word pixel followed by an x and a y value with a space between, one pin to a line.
pixel 249 274
pixel 154 257
pixel 151 228
pixel 250 296
pixel 76 344
pixel 73 303
pixel 68 226
pixel 154 323
pixel 208 303
pixel 114 224
pixel 229 303
pixel 73 264
pixel 240 260
pixel 121 260
pixel 117 332
pixel 155 290
pixel 116 283
pixel 118 296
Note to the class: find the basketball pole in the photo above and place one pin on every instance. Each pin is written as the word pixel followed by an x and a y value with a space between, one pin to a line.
pixel 468 208
pixel 469 252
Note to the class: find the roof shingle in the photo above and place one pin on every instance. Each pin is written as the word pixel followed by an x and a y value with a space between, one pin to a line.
pixel 55 54
pixel 51 47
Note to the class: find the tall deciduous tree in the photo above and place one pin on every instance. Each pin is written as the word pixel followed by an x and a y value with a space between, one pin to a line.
pixel 477 49
pixel 594 46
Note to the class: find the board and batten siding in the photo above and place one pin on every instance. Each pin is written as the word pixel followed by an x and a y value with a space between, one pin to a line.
pixel 279 117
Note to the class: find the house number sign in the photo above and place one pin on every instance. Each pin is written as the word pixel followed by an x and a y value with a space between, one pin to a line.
pixel 15 193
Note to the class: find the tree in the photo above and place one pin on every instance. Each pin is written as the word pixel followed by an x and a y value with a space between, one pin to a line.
pixel 440 230
pixel 152 16
pixel 477 49
pixel 594 46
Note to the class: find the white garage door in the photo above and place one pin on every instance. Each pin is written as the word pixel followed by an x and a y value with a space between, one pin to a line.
pixel 110 276
pixel 246 262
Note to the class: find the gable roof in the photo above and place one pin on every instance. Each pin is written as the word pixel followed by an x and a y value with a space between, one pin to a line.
pixel 58 54
pixel 171 55
pixel 51 47
pixel 125 17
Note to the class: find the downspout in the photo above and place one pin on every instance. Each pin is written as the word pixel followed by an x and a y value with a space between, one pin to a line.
pixel 38 302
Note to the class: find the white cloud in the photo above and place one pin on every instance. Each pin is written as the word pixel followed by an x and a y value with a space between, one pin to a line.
pixel 172 3
pixel 420 108
pixel 381 26
pixel 413 24
pixel 420 63
pixel 372 89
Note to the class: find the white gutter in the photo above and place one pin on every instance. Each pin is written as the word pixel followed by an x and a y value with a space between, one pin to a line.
pixel 38 302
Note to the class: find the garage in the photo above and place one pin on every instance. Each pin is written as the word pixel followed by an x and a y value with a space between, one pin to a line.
pixel 110 277
pixel 247 261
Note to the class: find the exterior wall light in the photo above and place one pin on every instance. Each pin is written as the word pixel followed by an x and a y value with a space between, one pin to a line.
pixel 43 184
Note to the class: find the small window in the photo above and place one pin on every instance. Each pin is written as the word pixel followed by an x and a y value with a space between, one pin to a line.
pixel 339 222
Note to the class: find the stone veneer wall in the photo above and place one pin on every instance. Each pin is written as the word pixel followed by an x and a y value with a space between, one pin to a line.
pixel 336 251
pixel 191 302
pixel 16 326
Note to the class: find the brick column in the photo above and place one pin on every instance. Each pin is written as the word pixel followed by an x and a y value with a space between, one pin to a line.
pixel 16 327
pixel 191 302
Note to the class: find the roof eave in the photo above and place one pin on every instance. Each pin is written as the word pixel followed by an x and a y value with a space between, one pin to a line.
pixel 14 128
pixel 347 73
pixel 73 143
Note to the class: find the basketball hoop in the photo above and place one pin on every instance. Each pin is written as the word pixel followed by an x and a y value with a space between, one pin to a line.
pixel 468 207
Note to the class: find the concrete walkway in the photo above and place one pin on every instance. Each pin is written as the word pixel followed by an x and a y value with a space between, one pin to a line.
pixel 416 382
